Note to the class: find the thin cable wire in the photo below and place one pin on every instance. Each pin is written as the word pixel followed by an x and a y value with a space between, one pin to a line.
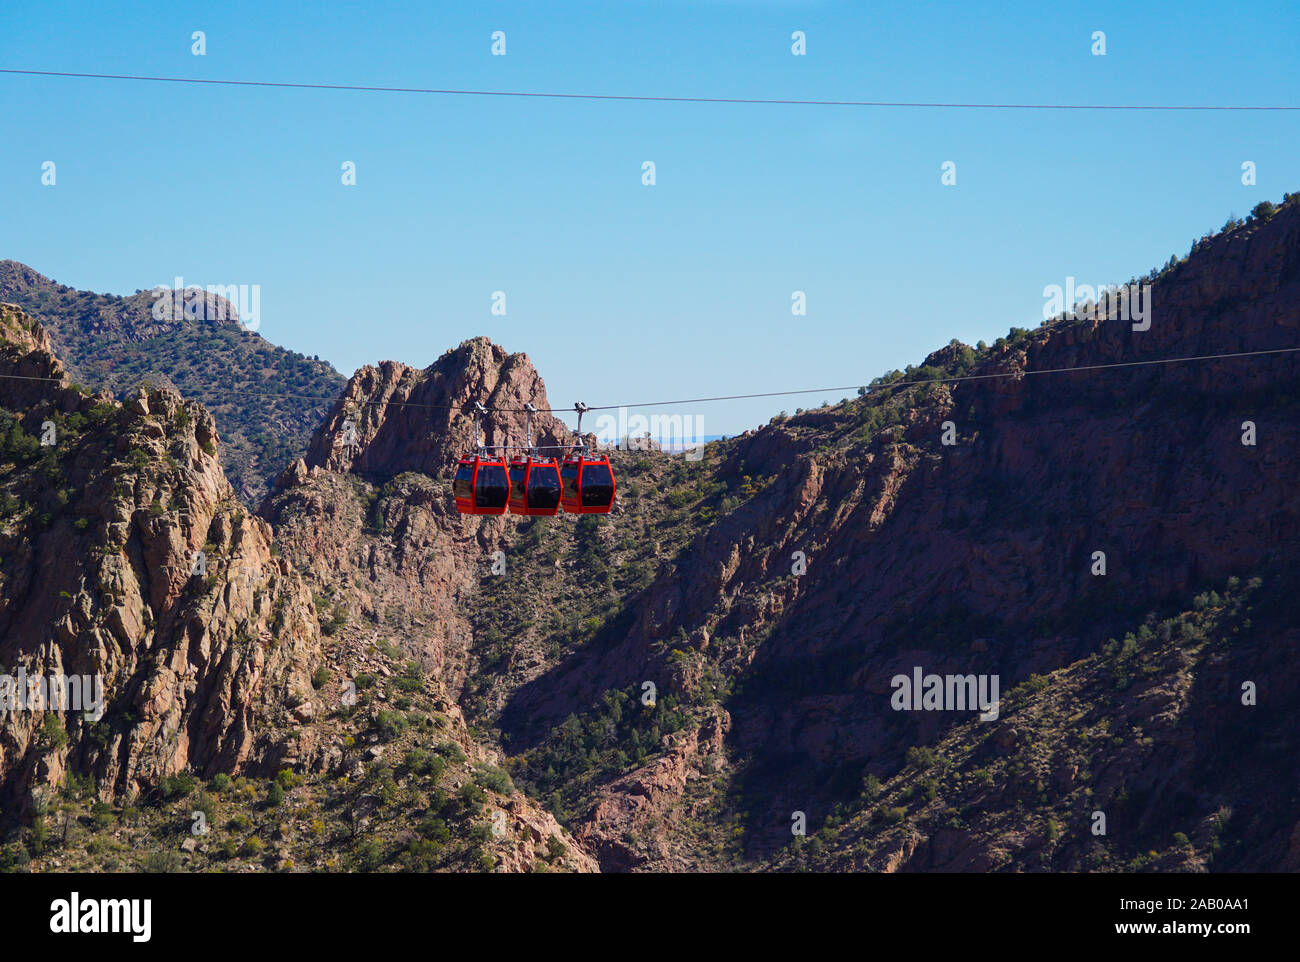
pixel 880 386
pixel 447 91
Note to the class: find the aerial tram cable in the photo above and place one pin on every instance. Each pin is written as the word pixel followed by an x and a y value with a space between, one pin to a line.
pixel 644 98
pixel 867 388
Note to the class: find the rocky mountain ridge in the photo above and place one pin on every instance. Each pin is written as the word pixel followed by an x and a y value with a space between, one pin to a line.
pixel 266 400
pixel 681 680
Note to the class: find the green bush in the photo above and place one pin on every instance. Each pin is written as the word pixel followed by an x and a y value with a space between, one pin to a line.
pixel 921 757
pixel 252 847
pixel 101 815
pixel 390 724
pixel 53 735
pixel 177 786
pixel 493 778
pixel 870 786
pixel 1263 210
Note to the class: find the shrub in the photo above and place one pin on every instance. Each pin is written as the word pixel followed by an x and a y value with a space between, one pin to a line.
pixel 870 786
pixel 101 815
pixel 53 735
pixel 450 751
pixel 435 830
pixel 1034 684
pixel 929 789
pixel 205 803
pixel 161 863
pixel 252 847
pixel 554 848
pixel 921 757
pixel 489 776
pixel 390 724
pixel 1264 210
pixel 177 786
pixel 473 797
pixel 288 778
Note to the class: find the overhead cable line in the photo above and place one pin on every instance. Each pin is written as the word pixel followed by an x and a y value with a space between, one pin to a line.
pixel 646 98
pixel 868 388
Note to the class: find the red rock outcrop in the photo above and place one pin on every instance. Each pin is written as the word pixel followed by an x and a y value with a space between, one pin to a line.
pixel 128 557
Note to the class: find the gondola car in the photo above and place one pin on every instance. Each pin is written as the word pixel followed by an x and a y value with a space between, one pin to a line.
pixel 587 484
pixel 534 486
pixel 482 485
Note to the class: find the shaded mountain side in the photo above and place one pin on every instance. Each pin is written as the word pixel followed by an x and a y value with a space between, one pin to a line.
pixel 972 558
pixel 1168 749
pixel 771 685
pixel 124 553
pixel 261 395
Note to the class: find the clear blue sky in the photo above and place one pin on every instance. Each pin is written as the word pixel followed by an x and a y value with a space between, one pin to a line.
pixel 617 291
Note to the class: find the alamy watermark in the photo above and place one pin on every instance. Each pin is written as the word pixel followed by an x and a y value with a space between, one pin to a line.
pixel 670 432
pixel 922 692
pixel 55 692
pixel 1132 302
pixel 216 302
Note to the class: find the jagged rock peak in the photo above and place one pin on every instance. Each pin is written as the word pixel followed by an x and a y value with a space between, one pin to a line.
pixel 393 418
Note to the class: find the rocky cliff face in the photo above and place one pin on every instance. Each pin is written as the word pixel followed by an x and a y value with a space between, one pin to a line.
pixel 976 557
pixel 367 515
pixel 677 680
pixel 404 419
pixel 126 555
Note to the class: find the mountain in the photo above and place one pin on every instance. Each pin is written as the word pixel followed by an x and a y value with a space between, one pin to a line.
pixel 264 398
pixel 774 688
pixel 684 683
pixel 125 554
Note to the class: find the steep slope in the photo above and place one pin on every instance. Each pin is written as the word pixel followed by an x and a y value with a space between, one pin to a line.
pixel 124 554
pixel 682 680
pixel 972 558
pixel 1147 754
pixel 369 523
pixel 259 394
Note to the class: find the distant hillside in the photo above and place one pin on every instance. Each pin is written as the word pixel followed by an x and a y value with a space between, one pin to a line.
pixel 115 343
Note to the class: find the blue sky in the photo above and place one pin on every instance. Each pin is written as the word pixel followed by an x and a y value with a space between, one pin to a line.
pixel 617 291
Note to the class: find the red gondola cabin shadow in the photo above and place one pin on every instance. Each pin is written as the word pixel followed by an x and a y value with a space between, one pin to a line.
pixel 534 486
pixel 587 485
pixel 481 486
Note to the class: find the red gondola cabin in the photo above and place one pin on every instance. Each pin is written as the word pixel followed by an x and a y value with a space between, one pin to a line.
pixel 534 486
pixel 482 485
pixel 587 485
